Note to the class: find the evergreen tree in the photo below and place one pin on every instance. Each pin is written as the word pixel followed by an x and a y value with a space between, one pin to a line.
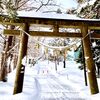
pixel 92 11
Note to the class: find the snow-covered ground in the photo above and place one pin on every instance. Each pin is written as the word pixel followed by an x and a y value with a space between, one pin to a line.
pixel 42 82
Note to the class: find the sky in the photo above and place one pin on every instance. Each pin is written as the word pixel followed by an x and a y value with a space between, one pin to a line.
pixel 67 3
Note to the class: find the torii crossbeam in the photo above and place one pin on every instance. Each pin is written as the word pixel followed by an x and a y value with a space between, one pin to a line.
pixel 55 21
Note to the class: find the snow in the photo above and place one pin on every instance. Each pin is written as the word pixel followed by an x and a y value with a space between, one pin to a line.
pixel 56 16
pixel 45 15
pixel 42 82
pixel 32 14
pixel 91 2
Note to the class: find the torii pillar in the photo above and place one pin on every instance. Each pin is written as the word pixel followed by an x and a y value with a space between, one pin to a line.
pixel 89 60
pixel 18 86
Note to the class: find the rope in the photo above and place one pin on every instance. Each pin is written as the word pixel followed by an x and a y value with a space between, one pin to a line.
pixel 52 47
pixel 25 33
pixel 13 48
pixel 85 36
pixel 55 47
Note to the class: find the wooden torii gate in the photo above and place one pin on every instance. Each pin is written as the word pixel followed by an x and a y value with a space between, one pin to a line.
pixel 56 23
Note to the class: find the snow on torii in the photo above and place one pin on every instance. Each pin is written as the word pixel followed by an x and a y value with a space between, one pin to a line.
pixel 56 20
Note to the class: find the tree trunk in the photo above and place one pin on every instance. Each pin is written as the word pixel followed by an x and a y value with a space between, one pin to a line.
pixel 89 61
pixel 7 47
pixel 1 64
pixel 4 57
pixel 18 86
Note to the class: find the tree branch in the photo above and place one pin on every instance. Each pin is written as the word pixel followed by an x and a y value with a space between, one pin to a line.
pixel 45 4
pixel 22 4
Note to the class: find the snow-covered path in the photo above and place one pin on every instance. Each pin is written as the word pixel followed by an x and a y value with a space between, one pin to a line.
pixel 51 88
pixel 41 82
pixel 60 85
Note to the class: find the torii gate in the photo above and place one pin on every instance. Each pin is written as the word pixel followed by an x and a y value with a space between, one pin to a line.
pixel 83 24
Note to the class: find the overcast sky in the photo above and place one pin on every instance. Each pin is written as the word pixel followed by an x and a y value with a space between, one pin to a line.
pixel 67 3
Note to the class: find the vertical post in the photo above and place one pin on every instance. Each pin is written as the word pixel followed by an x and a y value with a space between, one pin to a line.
pixel 89 60
pixel 18 86
pixel 64 62
pixel 55 58
pixel 84 65
pixel 55 63
pixel 56 30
